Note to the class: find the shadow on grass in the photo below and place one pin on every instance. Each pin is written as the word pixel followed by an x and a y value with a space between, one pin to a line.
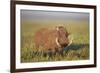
pixel 76 47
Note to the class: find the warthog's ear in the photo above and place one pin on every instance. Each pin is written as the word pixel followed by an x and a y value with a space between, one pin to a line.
pixel 57 42
pixel 70 40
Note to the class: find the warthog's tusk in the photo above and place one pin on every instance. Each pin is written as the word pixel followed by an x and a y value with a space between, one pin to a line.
pixel 57 28
pixel 58 44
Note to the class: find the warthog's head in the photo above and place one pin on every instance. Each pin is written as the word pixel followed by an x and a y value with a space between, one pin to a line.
pixel 62 39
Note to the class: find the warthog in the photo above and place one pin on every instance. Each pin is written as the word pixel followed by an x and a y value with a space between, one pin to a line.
pixel 51 40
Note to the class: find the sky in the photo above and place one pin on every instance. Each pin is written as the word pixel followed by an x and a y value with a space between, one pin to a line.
pixel 36 15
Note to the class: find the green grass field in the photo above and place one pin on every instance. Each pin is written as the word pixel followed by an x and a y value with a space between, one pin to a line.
pixel 78 50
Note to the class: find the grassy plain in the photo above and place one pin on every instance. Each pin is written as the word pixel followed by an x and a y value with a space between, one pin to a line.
pixel 78 50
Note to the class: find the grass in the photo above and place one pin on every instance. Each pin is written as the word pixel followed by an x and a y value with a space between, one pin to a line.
pixel 78 50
